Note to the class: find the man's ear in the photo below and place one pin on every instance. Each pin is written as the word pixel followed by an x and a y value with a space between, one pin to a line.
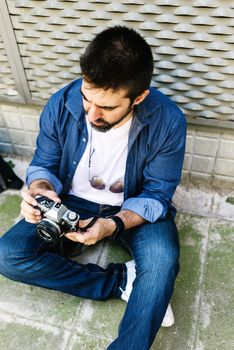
pixel 141 97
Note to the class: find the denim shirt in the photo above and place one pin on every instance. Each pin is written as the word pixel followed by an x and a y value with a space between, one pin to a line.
pixel 155 149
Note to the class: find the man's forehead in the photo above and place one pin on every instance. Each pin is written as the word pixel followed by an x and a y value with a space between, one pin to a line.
pixel 103 93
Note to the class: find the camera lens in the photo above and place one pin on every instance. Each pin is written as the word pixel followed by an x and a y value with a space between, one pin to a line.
pixel 48 230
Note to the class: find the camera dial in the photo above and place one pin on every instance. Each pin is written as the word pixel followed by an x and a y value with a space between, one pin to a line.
pixel 72 216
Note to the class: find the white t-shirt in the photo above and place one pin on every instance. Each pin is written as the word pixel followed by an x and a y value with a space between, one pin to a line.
pixel 104 157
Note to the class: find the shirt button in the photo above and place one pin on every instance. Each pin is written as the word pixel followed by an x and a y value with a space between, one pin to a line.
pixel 84 139
pixel 74 162
pixel 69 176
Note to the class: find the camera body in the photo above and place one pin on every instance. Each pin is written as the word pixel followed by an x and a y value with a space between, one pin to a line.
pixel 57 219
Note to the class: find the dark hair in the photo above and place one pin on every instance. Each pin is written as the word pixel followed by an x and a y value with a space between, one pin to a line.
pixel 118 58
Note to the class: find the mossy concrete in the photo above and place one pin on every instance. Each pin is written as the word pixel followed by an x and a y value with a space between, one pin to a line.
pixel 9 210
pixel 36 318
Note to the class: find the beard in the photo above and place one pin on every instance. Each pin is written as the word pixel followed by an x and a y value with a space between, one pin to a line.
pixel 105 126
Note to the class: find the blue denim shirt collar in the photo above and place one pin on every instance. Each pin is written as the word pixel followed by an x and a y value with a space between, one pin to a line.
pixel 75 106
pixel 147 108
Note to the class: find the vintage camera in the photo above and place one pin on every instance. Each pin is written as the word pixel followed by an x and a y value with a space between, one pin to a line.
pixel 56 219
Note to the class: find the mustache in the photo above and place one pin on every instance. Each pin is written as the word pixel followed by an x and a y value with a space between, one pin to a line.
pixel 104 126
pixel 101 127
pixel 103 122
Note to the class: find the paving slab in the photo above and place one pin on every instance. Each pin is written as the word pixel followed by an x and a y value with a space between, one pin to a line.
pixel 98 325
pixel 223 206
pixel 193 200
pixel 193 231
pixel 216 317
pixel 36 318
pixel 16 335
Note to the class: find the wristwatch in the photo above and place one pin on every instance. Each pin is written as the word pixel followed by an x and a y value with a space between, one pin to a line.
pixel 119 225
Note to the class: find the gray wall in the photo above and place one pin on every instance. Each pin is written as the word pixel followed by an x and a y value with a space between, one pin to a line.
pixel 192 42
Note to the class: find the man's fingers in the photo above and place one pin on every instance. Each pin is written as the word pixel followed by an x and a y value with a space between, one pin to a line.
pixel 33 219
pixel 28 203
pixel 29 213
pixel 87 238
pixel 46 193
pixel 32 215
pixel 75 236
pixel 50 194
pixel 27 209
pixel 27 195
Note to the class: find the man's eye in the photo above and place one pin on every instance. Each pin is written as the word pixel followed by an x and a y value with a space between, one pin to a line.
pixel 108 109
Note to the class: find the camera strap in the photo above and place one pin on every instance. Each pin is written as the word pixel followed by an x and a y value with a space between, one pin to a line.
pixel 68 249
pixel 90 224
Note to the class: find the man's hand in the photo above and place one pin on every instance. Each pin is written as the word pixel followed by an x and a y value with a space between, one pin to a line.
pixel 102 228
pixel 31 214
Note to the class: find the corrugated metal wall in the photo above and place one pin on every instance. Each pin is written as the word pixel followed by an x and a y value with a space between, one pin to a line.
pixel 192 42
pixel 7 84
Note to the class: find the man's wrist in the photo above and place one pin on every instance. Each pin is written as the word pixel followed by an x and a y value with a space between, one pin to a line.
pixel 111 226
pixel 119 225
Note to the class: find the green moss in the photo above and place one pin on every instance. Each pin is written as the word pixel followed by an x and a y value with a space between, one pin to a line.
pixel 9 211
pixel 11 164
pixel 230 200
pixel 115 253
pixel 16 336
pixel 102 327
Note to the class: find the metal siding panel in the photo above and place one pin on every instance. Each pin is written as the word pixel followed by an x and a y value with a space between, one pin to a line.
pixel 7 84
pixel 192 46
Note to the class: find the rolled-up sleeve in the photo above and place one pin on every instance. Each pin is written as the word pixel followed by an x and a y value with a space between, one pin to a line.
pixel 36 173
pixel 161 175
pixel 149 209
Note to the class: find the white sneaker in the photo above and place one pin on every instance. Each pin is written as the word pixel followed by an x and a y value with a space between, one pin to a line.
pixel 168 319
pixel 131 275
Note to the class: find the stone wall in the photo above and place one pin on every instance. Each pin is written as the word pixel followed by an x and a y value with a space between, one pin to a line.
pixel 209 157
pixel 19 125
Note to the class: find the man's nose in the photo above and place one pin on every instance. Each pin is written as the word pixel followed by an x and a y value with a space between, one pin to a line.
pixel 94 113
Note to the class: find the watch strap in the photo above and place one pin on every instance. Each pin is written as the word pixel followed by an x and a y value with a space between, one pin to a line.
pixel 119 225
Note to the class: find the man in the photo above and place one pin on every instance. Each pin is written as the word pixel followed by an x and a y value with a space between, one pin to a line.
pixel 111 146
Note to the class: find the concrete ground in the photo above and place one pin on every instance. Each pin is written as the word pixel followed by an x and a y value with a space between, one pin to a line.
pixel 35 318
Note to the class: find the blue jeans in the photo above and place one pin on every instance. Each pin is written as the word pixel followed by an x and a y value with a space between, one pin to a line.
pixel 155 248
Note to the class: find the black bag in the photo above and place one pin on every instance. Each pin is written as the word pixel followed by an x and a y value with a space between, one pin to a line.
pixel 8 179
